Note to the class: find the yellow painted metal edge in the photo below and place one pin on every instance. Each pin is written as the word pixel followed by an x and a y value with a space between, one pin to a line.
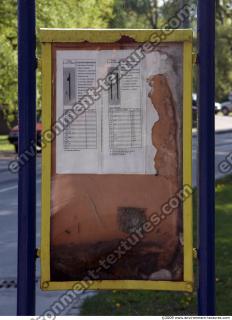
pixel 187 160
pixel 186 285
pixel 46 163
pixel 112 35
pixel 118 284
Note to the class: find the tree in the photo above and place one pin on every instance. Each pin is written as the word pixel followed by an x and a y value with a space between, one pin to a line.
pixel 223 60
pixel 103 14
pixel 49 14
pixel 135 14
pixel 8 53
pixel 223 57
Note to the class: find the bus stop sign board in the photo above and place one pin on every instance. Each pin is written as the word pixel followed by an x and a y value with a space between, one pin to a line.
pixel 116 162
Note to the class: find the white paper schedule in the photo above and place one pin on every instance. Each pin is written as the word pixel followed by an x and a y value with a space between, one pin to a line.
pixel 113 135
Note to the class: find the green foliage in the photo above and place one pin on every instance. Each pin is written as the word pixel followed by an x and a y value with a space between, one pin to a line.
pixel 5 145
pixel 145 13
pixel 73 13
pixel 223 10
pixel 223 57
pixel 103 14
pixel 49 14
pixel 134 14
pixel 8 53
pixel 223 61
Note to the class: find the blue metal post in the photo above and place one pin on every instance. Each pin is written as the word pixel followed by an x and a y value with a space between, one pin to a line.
pixel 27 173
pixel 206 145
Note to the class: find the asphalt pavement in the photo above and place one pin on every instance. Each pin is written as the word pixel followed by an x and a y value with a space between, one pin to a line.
pixel 8 246
pixel 8 223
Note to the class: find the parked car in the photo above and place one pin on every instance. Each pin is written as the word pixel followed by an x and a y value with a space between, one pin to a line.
pixel 194 110
pixel 14 134
pixel 227 105
pixel 217 105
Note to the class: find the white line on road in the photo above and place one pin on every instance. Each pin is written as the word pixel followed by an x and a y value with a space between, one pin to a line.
pixel 14 187
pixel 8 189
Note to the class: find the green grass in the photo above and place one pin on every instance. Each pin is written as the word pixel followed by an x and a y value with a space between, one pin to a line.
pixel 4 144
pixel 168 303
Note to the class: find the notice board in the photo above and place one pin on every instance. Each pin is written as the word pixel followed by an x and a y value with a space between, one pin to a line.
pixel 116 159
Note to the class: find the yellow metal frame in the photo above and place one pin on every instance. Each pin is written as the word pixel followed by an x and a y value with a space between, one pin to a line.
pixel 49 36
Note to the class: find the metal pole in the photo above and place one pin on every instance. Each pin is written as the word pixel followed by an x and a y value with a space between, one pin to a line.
pixel 27 173
pixel 206 145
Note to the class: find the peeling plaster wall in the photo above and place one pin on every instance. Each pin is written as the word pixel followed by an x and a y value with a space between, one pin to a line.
pixel 92 213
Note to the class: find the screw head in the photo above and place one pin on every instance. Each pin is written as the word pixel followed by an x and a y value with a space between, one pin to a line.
pixel 45 284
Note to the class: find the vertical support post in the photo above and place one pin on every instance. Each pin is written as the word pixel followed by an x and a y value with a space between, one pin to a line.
pixel 27 172
pixel 206 162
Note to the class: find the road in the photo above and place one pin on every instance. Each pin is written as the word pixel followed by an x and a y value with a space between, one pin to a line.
pixel 223 146
pixel 8 223
pixel 8 240
pixel 8 244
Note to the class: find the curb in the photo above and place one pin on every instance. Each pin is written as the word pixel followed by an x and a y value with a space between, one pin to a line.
pixel 7 155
